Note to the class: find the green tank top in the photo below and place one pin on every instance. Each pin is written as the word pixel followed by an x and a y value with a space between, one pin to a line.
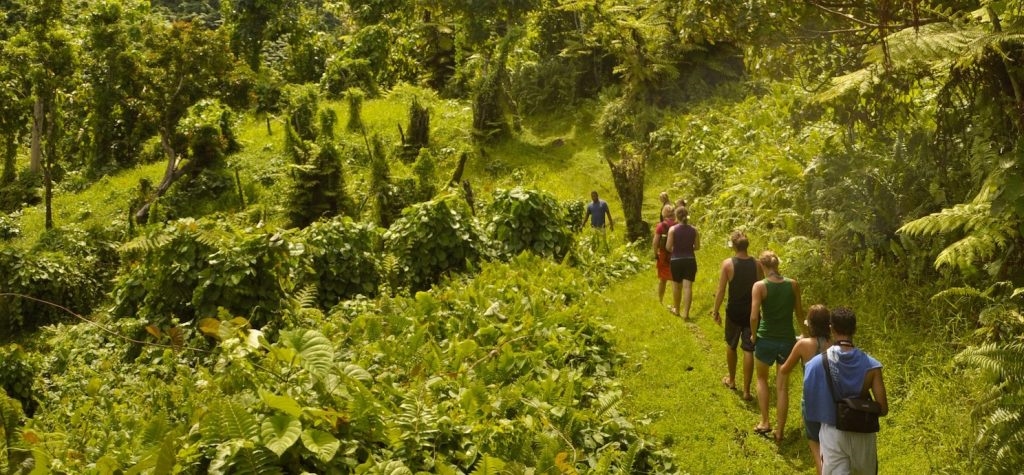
pixel 777 311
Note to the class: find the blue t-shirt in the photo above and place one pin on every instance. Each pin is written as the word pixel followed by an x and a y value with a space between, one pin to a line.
pixel 597 212
pixel 848 371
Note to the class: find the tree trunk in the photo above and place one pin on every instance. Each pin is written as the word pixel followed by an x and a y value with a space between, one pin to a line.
pixel 36 148
pixel 10 156
pixel 171 174
pixel 628 175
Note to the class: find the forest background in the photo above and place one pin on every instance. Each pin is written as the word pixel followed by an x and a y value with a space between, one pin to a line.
pixel 288 236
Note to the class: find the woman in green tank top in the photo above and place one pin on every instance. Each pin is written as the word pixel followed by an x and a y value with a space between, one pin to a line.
pixel 774 303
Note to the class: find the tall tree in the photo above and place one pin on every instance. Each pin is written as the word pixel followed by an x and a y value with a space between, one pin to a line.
pixel 52 68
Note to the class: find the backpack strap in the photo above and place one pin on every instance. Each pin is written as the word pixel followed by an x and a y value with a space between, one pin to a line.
pixel 828 376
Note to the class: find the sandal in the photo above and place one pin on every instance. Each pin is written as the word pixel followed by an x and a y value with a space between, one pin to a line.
pixel 725 382
pixel 762 430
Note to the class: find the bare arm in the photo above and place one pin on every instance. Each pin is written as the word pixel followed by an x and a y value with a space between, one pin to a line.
pixel 671 238
pixel 877 386
pixel 799 307
pixel 724 276
pixel 654 244
pixel 611 223
pixel 696 239
pixel 755 308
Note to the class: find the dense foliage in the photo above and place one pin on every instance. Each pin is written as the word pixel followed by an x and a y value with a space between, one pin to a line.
pixel 873 136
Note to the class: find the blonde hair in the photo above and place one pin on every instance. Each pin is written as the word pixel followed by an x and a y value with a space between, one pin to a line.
pixel 769 260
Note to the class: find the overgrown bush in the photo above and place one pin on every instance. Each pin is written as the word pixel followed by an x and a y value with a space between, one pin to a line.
pixel 10 226
pixel 506 369
pixel 18 369
pixel 354 97
pixel 342 256
pixel 190 268
pixel 48 279
pixel 527 220
pixel 432 239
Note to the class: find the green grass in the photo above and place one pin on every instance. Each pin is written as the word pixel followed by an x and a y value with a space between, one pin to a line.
pixel 674 373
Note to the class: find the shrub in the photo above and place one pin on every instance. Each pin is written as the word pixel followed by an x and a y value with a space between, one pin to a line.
pixel 432 239
pixel 10 227
pixel 528 220
pixel 355 97
pixel 18 370
pixel 48 278
pixel 190 268
pixel 341 254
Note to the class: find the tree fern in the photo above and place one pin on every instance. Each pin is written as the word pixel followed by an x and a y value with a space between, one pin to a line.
pixel 988 235
pixel 488 466
pixel 1001 437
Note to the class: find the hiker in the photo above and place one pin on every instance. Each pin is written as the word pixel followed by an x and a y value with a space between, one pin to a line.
pixel 683 241
pixel 597 210
pixel 777 297
pixel 738 273
pixel 664 202
pixel 818 342
pixel 854 373
pixel 660 247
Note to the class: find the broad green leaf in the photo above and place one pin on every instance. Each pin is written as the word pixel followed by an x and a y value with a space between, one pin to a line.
pixel 281 403
pixel 280 432
pixel 357 373
pixel 321 443
pixel 313 350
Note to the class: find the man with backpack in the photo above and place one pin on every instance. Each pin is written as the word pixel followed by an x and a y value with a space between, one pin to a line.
pixel 854 374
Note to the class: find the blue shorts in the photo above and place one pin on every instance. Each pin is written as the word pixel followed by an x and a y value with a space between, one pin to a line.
pixel 771 351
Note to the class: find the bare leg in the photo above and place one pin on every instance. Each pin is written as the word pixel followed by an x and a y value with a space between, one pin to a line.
pixel 677 293
pixel 661 291
pixel 730 362
pixel 748 372
pixel 781 404
pixel 687 298
pixel 762 392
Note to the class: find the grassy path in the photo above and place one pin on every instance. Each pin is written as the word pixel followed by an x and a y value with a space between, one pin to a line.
pixel 674 373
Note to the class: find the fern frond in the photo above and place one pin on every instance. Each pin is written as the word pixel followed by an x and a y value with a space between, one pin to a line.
pixel 858 81
pixel 306 296
pixel 254 461
pixel 933 43
pixel 1004 360
pixel 948 220
pixel 231 421
pixel 489 466
pixel 955 293
pixel 146 243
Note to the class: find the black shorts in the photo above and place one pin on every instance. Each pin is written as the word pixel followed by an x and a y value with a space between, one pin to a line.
pixel 738 335
pixel 683 268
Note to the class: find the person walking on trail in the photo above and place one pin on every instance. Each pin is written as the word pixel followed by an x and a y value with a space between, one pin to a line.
pixel 818 342
pixel 660 247
pixel 597 210
pixel 738 273
pixel 854 373
pixel 664 203
pixel 683 241
pixel 778 298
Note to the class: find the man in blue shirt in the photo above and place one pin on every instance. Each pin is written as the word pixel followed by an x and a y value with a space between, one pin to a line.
pixel 596 211
pixel 854 374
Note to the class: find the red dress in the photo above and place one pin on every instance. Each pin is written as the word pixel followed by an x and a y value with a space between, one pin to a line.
pixel 664 271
